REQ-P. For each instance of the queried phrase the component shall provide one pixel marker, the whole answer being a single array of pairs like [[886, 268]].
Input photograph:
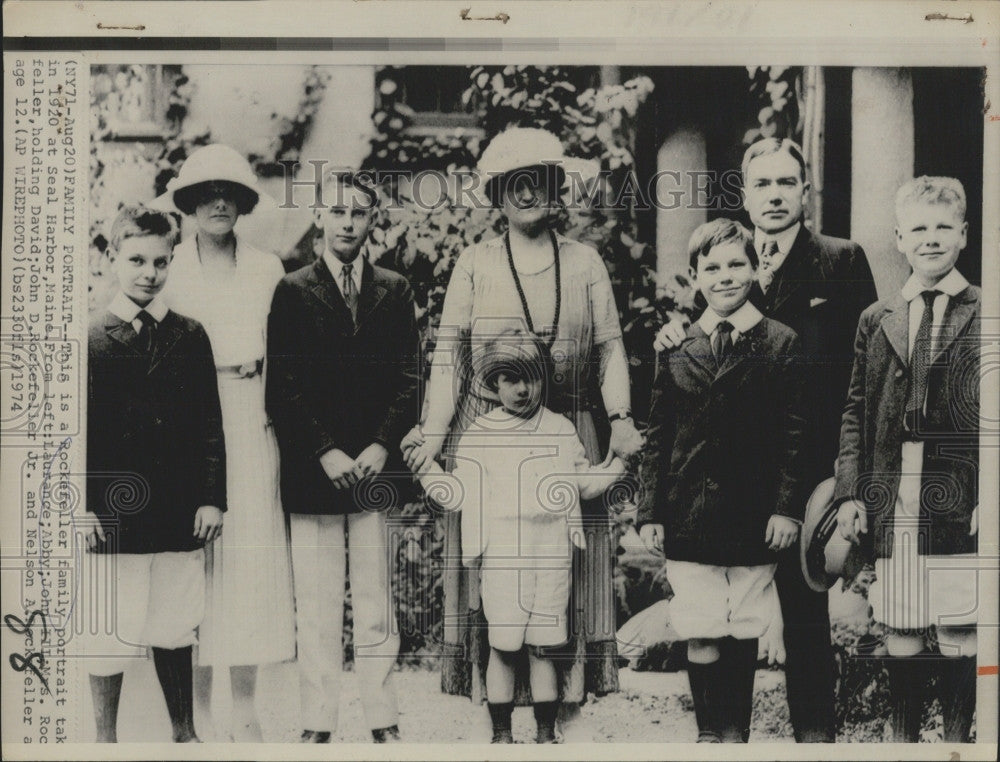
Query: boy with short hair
[[156, 485], [908, 471], [522, 471], [342, 352], [721, 477]]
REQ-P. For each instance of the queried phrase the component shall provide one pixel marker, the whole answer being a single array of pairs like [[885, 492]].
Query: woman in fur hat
[[538, 281], [226, 284]]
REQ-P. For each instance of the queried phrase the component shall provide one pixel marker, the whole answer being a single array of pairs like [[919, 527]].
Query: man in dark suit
[[341, 389], [818, 286]]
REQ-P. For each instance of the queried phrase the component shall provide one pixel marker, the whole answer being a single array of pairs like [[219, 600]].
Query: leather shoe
[[315, 736], [386, 735]]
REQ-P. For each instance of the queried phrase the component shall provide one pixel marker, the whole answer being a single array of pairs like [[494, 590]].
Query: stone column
[[881, 160], [680, 163]]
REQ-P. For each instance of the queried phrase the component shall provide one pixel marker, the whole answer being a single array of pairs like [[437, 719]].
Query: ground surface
[[651, 707]]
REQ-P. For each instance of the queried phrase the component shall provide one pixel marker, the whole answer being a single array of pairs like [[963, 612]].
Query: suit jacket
[[333, 384], [155, 447], [819, 292], [872, 431], [723, 447]]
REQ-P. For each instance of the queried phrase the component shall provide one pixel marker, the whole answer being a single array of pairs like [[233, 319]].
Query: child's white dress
[[250, 614], [520, 480]]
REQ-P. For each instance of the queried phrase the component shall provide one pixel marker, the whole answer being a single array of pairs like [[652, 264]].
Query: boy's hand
[[652, 537], [974, 521], [781, 532], [370, 462], [669, 336], [338, 466], [208, 523], [852, 520], [94, 532]]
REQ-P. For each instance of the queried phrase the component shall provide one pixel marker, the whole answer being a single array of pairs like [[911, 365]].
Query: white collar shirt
[[125, 309], [949, 286]]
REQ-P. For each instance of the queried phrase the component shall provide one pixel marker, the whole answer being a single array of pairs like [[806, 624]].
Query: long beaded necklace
[[520, 291]]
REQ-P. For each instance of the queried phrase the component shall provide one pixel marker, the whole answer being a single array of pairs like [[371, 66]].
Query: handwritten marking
[[464, 15], [966, 19], [136, 28], [35, 661]]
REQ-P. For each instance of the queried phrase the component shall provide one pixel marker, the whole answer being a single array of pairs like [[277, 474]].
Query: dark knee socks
[[705, 680], [545, 720], [500, 715], [957, 691], [173, 668], [723, 692], [739, 658], [907, 680], [106, 692]]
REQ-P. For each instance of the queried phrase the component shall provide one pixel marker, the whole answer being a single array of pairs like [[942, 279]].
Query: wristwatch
[[619, 415]]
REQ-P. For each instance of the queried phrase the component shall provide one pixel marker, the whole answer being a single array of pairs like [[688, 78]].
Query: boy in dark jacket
[[721, 477], [908, 473], [156, 485]]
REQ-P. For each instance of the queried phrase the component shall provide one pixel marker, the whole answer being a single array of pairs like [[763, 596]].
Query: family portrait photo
[[468, 379], [481, 402]]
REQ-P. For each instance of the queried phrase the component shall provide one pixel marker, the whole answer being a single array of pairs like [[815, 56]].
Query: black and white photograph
[[499, 397]]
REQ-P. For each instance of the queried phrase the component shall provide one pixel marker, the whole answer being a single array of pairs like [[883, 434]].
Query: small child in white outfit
[[520, 473]]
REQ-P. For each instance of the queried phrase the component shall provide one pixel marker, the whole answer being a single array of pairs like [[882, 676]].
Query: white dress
[[250, 611]]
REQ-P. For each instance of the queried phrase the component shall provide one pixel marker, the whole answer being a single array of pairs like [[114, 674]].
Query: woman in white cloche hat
[[226, 284], [540, 282]]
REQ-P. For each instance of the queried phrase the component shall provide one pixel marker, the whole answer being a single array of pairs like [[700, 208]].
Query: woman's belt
[[246, 370]]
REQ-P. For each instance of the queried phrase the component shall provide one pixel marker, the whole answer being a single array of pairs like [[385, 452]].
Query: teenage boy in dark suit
[[156, 471], [818, 286], [341, 389]]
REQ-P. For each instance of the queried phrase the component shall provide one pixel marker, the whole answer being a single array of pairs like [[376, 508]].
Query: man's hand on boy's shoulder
[[781, 533], [670, 335], [339, 467], [208, 523]]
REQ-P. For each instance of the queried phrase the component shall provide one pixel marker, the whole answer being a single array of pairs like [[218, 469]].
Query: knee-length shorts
[[913, 591], [720, 601], [130, 601], [525, 605]]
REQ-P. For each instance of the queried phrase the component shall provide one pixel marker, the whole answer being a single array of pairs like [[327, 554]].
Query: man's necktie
[[722, 341], [350, 292], [148, 333], [767, 271], [920, 362]]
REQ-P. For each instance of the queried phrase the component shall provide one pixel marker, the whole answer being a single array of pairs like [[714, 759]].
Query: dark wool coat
[[872, 432], [331, 384], [819, 292], [155, 448], [723, 448]]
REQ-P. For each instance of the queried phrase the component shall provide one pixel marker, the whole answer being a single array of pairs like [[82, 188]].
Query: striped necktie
[[350, 292], [920, 363]]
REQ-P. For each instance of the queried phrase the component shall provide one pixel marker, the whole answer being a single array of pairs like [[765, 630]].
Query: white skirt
[[913, 590], [250, 616]]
